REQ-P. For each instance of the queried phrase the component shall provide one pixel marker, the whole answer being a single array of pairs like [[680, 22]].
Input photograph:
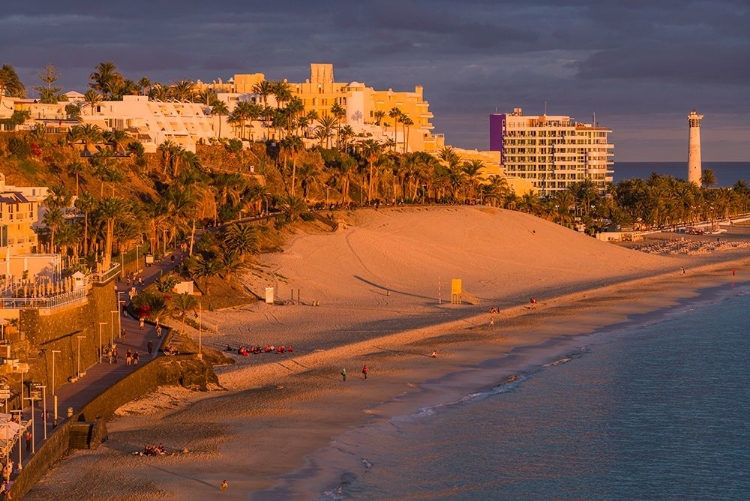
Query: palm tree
[[472, 168], [219, 109], [53, 219], [293, 206], [92, 99], [371, 150], [397, 115], [206, 268], [88, 133], [76, 168], [325, 128], [264, 88], [407, 122], [378, 116], [283, 92], [143, 85], [243, 238], [293, 145], [10, 84], [708, 178], [105, 78], [182, 90], [231, 262], [182, 304], [109, 210], [86, 203], [338, 112], [117, 139]]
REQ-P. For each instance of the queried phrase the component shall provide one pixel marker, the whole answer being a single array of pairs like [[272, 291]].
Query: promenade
[[102, 374]]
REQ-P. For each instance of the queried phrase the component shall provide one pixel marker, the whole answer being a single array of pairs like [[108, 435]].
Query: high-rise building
[[694, 148], [552, 152]]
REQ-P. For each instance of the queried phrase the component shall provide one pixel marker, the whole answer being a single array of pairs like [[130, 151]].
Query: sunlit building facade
[[552, 152]]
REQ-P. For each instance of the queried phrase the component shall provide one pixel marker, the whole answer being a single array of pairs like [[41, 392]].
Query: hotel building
[[552, 152]]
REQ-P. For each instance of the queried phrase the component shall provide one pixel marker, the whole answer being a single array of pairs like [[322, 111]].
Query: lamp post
[[101, 352], [54, 397], [78, 371], [44, 407], [33, 448], [113, 314], [200, 331], [20, 438]]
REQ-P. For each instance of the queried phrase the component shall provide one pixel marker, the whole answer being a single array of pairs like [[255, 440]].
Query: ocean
[[655, 408], [727, 173]]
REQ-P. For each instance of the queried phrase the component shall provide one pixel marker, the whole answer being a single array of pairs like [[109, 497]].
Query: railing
[[56, 301], [104, 277]]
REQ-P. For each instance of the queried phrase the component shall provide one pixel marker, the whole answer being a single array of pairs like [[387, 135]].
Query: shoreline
[[484, 375], [281, 411]]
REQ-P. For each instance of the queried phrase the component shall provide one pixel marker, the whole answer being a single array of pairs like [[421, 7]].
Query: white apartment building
[[552, 152]]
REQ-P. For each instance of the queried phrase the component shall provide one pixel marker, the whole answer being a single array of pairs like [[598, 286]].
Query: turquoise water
[[657, 409]]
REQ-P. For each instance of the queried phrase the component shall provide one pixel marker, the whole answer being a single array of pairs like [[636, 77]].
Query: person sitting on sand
[[290, 349], [434, 353], [280, 349]]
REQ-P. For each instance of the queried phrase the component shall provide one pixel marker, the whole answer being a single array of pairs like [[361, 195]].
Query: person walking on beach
[[28, 441], [224, 485], [150, 347], [142, 322], [364, 371], [343, 374], [158, 331]]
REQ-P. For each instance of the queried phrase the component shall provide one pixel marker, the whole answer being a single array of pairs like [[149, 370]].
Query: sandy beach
[[382, 282]]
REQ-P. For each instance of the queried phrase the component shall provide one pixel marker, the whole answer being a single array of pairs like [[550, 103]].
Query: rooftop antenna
[[594, 119], [545, 107]]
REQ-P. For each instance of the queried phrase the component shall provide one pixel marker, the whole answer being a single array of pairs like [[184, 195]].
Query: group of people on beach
[[255, 350], [152, 450]]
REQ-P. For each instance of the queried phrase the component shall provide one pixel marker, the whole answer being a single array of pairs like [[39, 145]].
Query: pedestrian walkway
[[103, 374]]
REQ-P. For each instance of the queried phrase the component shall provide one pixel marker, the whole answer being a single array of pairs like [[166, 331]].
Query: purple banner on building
[[497, 126]]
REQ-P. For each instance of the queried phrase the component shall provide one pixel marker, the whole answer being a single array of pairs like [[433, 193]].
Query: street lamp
[[112, 329], [33, 447], [101, 352], [44, 407], [20, 437], [78, 372], [54, 397], [200, 331]]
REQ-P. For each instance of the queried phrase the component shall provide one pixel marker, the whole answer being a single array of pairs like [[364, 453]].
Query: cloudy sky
[[640, 65]]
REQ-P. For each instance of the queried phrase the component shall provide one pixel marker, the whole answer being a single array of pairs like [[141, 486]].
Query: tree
[[472, 168], [219, 109], [143, 85], [86, 204], [76, 168], [73, 112], [407, 123], [92, 99], [10, 84], [708, 178], [293, 207], [264, 88], [206, 267], [338, 112], [107, 80], [396, 115], [182, 90], [243, 238], [53, 219], [371, 150], [182, 304], [109, 210], [325, 128], [293, 145], [118, 139], [47, 93]]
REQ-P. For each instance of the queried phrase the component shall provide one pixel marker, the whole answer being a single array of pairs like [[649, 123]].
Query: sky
[[639, 65]]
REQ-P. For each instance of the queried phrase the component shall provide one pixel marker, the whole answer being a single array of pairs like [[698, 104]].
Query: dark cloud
[[639, 64]]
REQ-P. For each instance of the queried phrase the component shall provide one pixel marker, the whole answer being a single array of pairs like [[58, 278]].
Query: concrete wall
[[59, 331], [160, 371]]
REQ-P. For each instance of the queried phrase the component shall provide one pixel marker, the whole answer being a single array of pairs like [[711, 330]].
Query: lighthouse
[[694, 148]]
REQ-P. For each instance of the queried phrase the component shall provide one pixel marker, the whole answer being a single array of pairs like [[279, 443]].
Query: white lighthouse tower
[[694, 148]]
